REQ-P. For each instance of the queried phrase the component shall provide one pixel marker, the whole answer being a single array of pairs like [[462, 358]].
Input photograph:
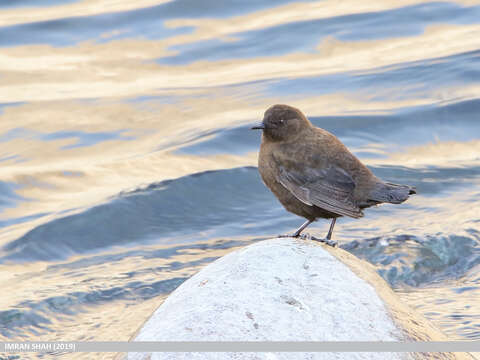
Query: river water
[[127, 163]]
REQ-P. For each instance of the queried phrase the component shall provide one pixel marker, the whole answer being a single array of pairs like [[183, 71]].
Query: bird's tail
[[391, 193]]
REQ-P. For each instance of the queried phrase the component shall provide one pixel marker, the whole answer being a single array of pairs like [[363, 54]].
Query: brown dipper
[[314, 175]]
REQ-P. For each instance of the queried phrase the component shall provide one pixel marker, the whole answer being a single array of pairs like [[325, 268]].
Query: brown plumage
[[313, 174]]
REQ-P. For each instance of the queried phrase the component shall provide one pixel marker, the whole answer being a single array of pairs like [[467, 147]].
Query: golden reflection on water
[[98, 71], [121, 317], [436, 302], [440, 154], [77, 8], [109, 167]]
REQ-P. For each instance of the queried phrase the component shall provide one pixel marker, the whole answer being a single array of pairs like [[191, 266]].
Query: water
[[127, 163]]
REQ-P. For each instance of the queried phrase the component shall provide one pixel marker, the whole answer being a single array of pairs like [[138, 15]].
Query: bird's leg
[[299, 230], [328, 240], [330, 231]]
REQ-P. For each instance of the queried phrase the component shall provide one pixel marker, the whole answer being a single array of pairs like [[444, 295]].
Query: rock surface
[[285, 290]]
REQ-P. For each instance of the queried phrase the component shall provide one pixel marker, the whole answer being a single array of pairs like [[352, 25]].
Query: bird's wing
[[328, 188]]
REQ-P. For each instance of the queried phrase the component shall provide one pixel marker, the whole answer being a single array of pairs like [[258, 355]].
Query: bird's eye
[[281, 121]]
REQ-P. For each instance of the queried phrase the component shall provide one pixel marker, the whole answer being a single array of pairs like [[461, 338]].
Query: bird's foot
[[307, 236], [330, 242]]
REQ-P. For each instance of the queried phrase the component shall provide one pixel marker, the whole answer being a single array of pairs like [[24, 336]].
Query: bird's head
[[282, 123]]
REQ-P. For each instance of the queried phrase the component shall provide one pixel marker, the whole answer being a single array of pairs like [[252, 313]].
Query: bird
[[314, 175]]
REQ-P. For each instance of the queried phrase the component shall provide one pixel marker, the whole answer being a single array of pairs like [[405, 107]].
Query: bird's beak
[[260, 126]]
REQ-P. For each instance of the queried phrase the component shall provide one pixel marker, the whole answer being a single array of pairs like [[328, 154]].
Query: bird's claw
[[329, 242], [307, 236]]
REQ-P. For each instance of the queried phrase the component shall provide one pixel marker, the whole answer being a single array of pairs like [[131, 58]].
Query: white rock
[[284, 290]]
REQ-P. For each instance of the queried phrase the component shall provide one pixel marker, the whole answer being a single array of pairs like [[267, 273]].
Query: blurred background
[[127, 163]]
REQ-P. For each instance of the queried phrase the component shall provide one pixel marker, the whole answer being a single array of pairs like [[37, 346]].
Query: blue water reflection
[[33, 3], [8, 196], [305, 36], [81, 138], [144, 22], [408, 127], [409, 79]]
